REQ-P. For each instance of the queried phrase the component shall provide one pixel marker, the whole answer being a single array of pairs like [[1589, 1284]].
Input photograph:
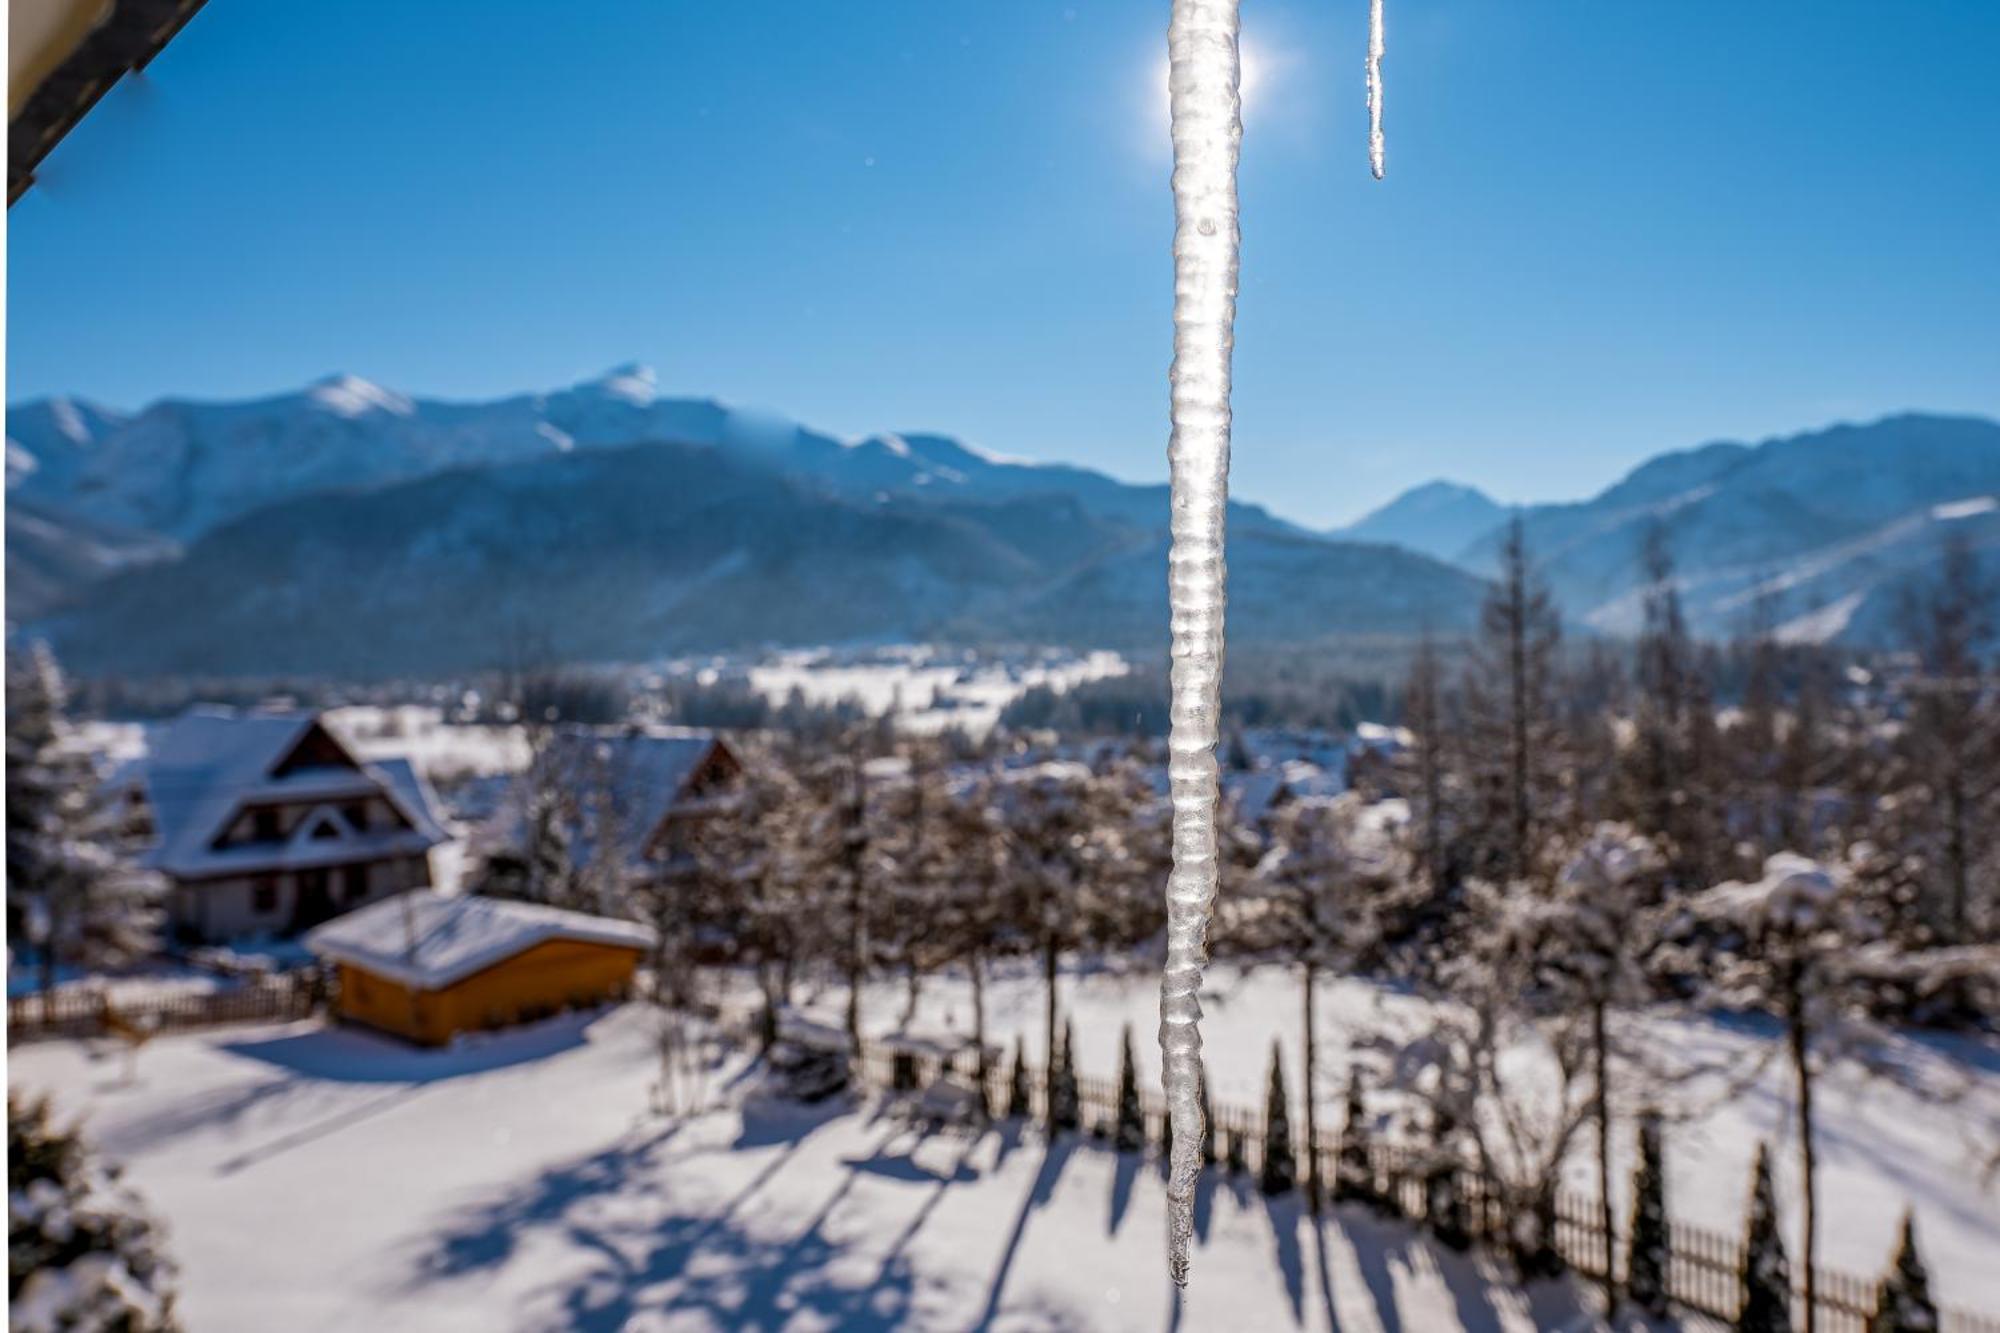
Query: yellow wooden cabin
[[427, 966]]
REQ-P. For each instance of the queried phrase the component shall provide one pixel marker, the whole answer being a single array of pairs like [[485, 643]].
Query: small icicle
[[1203, 79], [1377, 147]]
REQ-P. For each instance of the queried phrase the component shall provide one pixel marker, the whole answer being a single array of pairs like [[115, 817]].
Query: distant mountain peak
[[634, 381], [1441, 491], [1439, 519], [352, 396]]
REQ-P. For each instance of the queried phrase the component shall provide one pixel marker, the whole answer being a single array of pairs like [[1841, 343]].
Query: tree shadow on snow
[[1124, 1175], [904, 1166], [1376, 1243], [700, 1254], [1284, 1212], [318, 1129], [485, 1237], [1325, 1276], [1382, 1246], [1055, 1156]]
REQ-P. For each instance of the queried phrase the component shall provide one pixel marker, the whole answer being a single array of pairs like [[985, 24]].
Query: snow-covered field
[[926, 689], [326, 1179], [1882, 1147], [322, 1178], [440, 750]]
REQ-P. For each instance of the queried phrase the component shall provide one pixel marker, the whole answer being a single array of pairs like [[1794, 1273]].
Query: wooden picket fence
[[86, 1013], [1704, 1270]]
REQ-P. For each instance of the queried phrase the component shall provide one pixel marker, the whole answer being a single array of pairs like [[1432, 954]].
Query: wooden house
[[266, 824], [427, 966], [625, 795]]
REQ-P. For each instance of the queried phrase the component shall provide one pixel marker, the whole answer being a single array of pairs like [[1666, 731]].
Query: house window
[[353, 883], [264, 825], [264, 895], [357, 815]]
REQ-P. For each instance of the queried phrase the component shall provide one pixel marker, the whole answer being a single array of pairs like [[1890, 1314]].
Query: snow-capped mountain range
[[1831, 527], [181, 468], [349, 528]]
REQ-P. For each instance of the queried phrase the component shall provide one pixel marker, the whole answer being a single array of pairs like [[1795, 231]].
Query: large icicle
[[1377, 147], [1207, 128]]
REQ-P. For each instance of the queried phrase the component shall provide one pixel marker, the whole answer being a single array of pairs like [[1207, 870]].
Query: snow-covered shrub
[[81, 1251], [1065, 1113], [1444, 1201], [1903, 1300], [807, 1071], [1281, 1169], [1649, 1249], [1130, 1134], [1767, 1274]]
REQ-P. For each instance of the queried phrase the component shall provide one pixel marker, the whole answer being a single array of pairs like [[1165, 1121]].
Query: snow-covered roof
[[1378, 736], [200, 769], [429, 940], [1255, 793], [625, 779]]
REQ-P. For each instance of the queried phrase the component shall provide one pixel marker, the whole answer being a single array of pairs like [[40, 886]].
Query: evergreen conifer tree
[[81, 1250], [1130, 1135], [1354, 1173], [1646, 1259], [1281, 1171], [1767, 1274], [1018, 1105], [1064, 1112], [1903, 1300], [1512, 725], [68, 868]]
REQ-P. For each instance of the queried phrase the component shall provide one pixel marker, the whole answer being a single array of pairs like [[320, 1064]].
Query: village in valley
[[618, 978], [673, 668]]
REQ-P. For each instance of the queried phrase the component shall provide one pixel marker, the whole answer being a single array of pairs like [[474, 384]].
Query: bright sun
[[1252, 78]]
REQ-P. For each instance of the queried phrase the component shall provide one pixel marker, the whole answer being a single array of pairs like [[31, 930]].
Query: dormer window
[[264, 826]]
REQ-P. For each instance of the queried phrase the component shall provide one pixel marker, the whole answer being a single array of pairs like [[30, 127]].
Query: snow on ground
[[441, 751], [316, 1178], [115, 742], [1882, 1148], [925, 689]]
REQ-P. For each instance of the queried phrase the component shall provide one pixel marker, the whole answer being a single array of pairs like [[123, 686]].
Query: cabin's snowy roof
[[202, 767], [625, 780], [429, 940]]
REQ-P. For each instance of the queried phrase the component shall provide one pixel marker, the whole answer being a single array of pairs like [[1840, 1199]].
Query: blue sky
[[1610, 227]]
